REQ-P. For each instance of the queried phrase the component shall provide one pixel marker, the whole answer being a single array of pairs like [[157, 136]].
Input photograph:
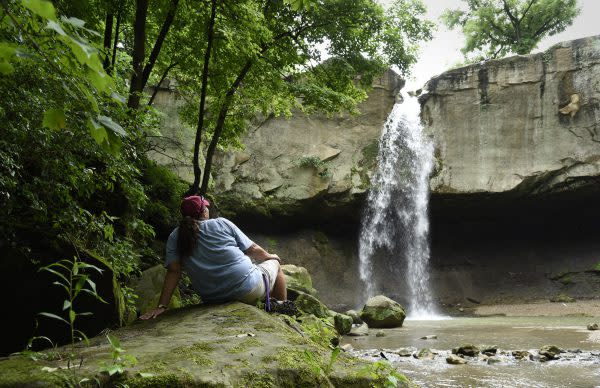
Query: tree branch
[[159, 41]]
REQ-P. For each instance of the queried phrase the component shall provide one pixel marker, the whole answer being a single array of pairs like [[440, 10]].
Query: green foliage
[[31, 32], [72, 278], [316, 163], [384, 374], [494, 28], [120, 359]]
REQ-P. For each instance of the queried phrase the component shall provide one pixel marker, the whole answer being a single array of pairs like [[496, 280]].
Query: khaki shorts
[[270, 268]]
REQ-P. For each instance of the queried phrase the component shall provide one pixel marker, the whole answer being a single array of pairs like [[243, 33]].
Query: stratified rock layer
[[498, 125], [309, 167]]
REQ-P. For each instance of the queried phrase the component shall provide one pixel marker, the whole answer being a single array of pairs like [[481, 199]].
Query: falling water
[[396, 218]]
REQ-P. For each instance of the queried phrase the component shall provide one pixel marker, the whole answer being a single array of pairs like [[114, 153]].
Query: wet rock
[[311, 305], [425, 354], [562, 298], [346, 347], [404, 352], [520, 354], [355, 316], [429, 337], [575, 351], [493, 360], [380, 333], [592, 326], [489, 350], [359, 330], [473, 300], [468, 350], [455, 360], [551, 352], [381, 311], [342, 323]]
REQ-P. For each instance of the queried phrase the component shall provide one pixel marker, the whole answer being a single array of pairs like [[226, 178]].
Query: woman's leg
[[280, 288]]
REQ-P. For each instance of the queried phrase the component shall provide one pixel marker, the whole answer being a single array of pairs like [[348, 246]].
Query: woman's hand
[[153, 313], [273, 256]]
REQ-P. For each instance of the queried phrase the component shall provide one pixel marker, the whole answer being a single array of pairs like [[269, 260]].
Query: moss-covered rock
[[148, 288], [311, 305], [343, 323], [381, 311], [225, 345], [298, 279]]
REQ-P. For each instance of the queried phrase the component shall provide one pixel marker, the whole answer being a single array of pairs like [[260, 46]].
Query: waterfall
[[396, 219]]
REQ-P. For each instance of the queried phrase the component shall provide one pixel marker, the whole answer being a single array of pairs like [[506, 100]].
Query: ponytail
[[187, 237]]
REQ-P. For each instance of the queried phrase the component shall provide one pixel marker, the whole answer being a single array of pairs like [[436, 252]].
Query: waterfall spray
[[396, 217]]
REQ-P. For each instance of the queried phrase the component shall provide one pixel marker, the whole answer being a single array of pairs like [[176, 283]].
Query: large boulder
[[298, 279], [148, 288], [381, 311], [343, 323], [311, 305]]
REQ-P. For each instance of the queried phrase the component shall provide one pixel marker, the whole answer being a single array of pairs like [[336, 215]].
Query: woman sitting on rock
[[217, 255]]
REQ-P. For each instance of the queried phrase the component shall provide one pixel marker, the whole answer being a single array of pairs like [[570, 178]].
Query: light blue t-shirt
[[218, 267]]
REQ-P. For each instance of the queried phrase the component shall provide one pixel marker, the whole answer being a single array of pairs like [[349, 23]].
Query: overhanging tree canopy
[[494, 28]]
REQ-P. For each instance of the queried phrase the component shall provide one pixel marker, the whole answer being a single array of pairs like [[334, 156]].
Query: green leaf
[[90, 266], [100, 80], [110, 124], [66, 304], [92, 284], [48, 269], [42, 8], [7, 50], [72, 316], [79, 284], [73, 21], [54, 316], [6, 68], [52, 25], [94, 294], [118, 97], [97, 131], [54, 119]]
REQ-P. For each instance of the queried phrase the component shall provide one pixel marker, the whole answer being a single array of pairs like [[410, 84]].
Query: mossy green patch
[[257, 380], [245, 345]]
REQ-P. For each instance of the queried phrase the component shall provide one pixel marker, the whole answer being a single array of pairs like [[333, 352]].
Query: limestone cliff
[[306, 164], [527, 124]]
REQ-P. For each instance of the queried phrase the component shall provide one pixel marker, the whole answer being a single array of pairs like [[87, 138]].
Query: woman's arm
[[256, 252], [171, 279]]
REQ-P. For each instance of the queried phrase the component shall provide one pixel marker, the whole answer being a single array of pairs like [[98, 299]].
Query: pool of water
[[579, 366]]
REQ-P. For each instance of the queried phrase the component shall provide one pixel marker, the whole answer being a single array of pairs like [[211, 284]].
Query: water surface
[[579, 367]]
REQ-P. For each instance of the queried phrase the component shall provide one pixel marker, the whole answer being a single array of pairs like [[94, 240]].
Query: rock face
[[498, 125], [311, 162], [381, 311], [298, 279], [208, 346], [148, 288]]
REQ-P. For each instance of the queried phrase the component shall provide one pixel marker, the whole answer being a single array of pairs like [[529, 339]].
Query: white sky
[[443, 50]]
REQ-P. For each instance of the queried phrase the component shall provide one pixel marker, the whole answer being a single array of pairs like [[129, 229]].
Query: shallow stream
[[578, 366]]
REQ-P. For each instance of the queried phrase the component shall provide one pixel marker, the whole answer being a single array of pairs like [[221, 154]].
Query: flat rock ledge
[[231, 345]]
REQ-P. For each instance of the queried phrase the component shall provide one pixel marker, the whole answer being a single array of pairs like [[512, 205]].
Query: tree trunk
[[159, 42], [139, 53], [220, 124], [108, 27], [200, 127], [116, 41], [162, 78]]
